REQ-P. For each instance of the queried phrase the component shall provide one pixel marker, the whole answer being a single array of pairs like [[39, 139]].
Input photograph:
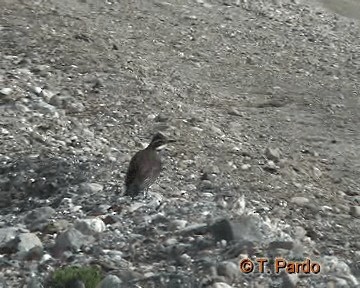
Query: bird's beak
[[171, 141]]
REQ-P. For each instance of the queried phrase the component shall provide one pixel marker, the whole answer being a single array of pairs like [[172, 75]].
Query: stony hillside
[[263, 100]]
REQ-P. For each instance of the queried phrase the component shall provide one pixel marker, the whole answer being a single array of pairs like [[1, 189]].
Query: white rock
[[221, 285], [245, 166], [90, 226], [37, 90], [45, 258], [177, 224], [6, 91], [299, 200]]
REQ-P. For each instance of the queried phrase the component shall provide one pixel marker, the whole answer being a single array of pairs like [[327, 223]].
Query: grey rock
[[287, 245], [271, 167], [91, 188], [216, 130], [43, 107], [229, 270], [71, 239], [21, 107], [76, 107], [161, 118], [59, 226], [190, 187], [3, 283], [332, 265], [206, 185], [299, 232], [234, 112], [355, 211], [245, 228], [60, 101], [90, 226], [211, 169], [75, 283], [27, 241], [34, 283], [110, 281], [35, 253], [7, 234], [39, 218], [290, 280], [46, 94], [184, 259], [208, 177], [135, 206], [273, 154], [341, 283]]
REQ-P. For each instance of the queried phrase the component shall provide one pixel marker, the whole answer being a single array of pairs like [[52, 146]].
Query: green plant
[[90, 276]]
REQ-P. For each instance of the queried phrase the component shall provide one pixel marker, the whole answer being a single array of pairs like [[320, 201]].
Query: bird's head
[[159, 140]]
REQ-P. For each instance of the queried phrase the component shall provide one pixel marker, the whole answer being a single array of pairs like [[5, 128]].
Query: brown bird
[[145, 167]]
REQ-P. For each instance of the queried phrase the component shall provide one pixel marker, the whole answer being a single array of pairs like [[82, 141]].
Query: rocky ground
[[263, 99]]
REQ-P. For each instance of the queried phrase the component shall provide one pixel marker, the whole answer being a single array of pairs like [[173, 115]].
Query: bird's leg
[[146, 193]]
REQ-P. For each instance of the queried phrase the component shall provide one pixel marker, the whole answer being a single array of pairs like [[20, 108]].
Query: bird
[[145, 167]]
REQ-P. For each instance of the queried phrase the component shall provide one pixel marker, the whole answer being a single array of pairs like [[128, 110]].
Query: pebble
[[221, 285], [317, 172], [91, 188], [355, 211], [301, 201], [245, 167], [217, 130], [234, 112], [271, 167], [273, 154]]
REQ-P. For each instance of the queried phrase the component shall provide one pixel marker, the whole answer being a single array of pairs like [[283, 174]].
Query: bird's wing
[[140, 167], [132, 169]]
